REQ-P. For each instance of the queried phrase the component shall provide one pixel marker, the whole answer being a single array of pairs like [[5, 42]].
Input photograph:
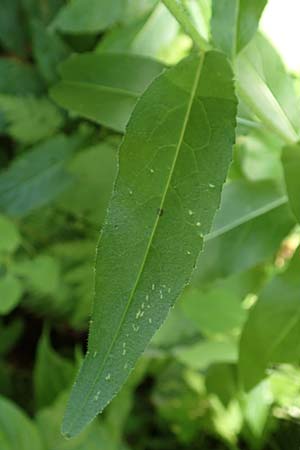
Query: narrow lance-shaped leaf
[[173, 163], [291, 166], [234, 23]]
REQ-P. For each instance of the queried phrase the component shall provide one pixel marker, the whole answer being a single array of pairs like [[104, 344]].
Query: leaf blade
[[167, 157]]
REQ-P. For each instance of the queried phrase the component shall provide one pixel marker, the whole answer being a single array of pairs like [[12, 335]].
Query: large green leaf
[[234, 22], [35, 178], [291, 166], [271, 334], [17, 431], [104, 87], [173, 163], [76, 17]]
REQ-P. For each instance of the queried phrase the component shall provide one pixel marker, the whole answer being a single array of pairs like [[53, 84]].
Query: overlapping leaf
[[104, 87], [234, 23]]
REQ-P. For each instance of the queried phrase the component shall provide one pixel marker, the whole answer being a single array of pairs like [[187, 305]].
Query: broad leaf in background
[[259, 156], [18, 78], [13, 35], [205, 353], [40, 274], [243, 201], [30, 119], [270, 335], [52, 373], [265, 87], [104, 87], [10, 238], [36, 178], [217, 309], [148, 36], [253, 220], [10, 293], [94, 170], [234, 23], [42, 10], [17, 431], [76, 18], [291, 166], [49, 50], [179, 146]]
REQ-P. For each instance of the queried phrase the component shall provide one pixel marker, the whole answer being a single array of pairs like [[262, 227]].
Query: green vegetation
[[171, 130]]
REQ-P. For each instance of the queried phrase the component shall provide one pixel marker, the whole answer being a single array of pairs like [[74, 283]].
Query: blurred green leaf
[[37, 177], [94, 170], [13, 36], [234, 23], [41, 274], [52, 373], [266, 89], [76, 18], [104, 87], [247, 231], [205, 353], [30, 119], [10, 293], [148, 36], [216, 308], [10, 238], [291, 166], [259, 154], [17, 431], [9, 334], [243, 202], [270, 334], [18, 78], [49, 50]]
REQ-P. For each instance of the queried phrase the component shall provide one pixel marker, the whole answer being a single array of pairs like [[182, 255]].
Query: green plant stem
[[178, 11]]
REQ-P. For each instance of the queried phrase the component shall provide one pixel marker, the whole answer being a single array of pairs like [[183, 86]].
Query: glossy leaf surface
[[178, 145]]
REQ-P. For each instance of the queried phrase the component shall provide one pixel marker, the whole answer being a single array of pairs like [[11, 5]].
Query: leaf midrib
[[181, 137]]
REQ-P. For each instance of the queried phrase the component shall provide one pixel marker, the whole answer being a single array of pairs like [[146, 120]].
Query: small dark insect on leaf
[[160, 212]]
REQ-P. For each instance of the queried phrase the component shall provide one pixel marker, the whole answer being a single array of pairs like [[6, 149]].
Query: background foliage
[[70, 77]]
